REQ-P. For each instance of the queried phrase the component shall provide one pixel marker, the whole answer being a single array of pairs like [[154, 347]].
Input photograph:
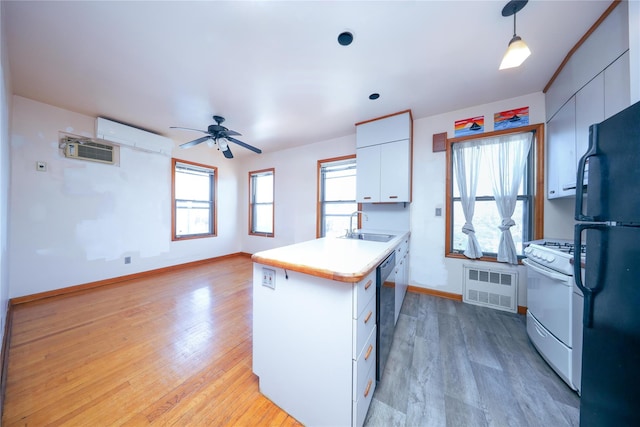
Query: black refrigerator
[[608, 206]]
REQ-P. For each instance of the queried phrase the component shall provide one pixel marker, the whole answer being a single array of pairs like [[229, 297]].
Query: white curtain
[[507, 156], [466, 162]]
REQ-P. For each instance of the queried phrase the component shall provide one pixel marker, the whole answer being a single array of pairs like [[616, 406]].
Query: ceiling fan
[[218, 135]]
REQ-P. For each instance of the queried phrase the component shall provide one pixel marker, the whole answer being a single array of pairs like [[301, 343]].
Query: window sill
[[191, 237], [262, 234], [484, 258]]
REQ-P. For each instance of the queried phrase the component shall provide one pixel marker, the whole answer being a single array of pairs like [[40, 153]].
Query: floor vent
[[491, 288]]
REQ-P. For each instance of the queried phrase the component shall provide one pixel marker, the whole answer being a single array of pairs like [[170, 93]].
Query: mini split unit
[[109, 136]]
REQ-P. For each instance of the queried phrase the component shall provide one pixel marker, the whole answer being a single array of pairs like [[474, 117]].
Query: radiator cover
[[490, 287]]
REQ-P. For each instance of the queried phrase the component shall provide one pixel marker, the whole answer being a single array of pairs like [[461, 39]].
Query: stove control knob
[[551, 258]]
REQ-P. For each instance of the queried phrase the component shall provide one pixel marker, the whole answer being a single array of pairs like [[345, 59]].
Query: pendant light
[[518, 50]]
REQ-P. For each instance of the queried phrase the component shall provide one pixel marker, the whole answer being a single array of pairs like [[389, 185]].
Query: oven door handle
[[548, 273]]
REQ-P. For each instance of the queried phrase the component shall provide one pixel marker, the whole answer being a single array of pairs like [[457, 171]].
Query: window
[[193, 200], [486, 167], [261, 188], [336, 195]]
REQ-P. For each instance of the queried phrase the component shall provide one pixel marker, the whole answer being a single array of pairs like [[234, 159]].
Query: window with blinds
[[336, 196], [194, 195], [261, 206]]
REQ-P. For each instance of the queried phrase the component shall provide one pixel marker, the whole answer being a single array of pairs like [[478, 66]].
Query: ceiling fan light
[[516, 53], [222, 144]]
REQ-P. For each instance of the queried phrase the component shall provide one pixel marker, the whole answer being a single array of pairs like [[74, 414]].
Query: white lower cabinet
[[314, 344], [401, 275], [364, 379]]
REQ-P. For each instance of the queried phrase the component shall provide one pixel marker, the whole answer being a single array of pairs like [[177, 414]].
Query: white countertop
[[345, 260]]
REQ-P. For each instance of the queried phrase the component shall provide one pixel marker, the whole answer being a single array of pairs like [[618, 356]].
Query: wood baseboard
[[4, 362], [142, 274], [448, 295]]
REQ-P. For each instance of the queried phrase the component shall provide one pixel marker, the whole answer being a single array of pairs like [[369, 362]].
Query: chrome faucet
[[350, 231]]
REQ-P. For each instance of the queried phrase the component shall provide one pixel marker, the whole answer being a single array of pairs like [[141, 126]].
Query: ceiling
[[274, 69]]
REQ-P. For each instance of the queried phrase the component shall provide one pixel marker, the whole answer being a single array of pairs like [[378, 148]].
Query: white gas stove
[[554, 309], [555, 254]]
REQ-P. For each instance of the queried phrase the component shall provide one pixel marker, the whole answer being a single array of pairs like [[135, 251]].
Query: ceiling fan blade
[[178, 127], [232, 132], [227, 153], [195, 142], [245, 145]]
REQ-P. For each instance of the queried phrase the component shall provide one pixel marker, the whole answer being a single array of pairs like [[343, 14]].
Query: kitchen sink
[[372, 237]]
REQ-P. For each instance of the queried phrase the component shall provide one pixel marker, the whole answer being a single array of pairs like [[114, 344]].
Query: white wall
[[75, 223], [429, 267], [295, 191], [5, 168]]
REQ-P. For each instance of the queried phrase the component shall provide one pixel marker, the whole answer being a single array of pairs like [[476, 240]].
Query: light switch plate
[[268, 278]]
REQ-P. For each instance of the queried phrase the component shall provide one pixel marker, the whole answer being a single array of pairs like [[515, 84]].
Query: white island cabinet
[[314, 327]]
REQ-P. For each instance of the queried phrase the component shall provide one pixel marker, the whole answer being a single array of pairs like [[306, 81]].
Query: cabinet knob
[[367, 197], [368, 284], [393, 197]]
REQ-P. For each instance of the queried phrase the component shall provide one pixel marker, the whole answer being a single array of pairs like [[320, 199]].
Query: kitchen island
[[314, 326]]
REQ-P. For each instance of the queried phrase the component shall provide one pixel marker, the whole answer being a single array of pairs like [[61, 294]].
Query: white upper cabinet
[[589, 110], [368, 174], [395, 171], [568, 130], [384, 160], [561, 155], [593, 85], [386, 129], [617, 86]]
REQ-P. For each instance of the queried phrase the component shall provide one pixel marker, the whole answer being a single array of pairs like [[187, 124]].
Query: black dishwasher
[[385, 311]]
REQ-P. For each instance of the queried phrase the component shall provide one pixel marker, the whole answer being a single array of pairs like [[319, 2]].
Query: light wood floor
[[171, 349], [176, 349]]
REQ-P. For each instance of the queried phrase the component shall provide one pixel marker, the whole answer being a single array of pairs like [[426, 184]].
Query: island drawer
[[362, 327], [362, 365], [363, 292], [364, 396]]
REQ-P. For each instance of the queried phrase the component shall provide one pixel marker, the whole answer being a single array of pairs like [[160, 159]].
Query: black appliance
[[385, 311], [610, 205]]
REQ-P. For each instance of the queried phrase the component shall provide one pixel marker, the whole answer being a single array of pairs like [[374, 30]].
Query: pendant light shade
[[517, 51]]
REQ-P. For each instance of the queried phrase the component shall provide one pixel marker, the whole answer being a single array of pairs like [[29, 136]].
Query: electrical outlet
[[269, 278], [41, 166]]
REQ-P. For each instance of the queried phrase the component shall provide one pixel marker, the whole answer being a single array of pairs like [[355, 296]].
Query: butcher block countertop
[[340, 259]]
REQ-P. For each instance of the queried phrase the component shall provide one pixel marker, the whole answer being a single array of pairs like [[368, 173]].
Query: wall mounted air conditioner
[[86, 149], [132, 137]]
